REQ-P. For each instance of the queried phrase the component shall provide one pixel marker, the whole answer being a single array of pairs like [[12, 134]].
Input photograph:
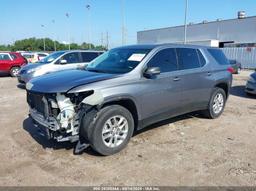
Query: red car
[[11, 62]]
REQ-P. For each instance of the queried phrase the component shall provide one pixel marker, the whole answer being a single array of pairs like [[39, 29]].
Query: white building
[[220, 33]]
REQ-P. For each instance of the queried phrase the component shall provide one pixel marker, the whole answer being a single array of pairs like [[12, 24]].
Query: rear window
[[89, 56], [219, 56], [201, 58], [14, 56]]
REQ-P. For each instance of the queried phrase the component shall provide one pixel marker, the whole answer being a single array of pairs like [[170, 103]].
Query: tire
[[14, 71], [105, 117], [212, 113]]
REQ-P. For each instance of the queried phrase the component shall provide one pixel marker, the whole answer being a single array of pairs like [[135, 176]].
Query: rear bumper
[[250, 88]]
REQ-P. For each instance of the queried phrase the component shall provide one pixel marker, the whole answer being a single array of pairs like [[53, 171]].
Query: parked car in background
[[33, 57], [236, 66], [57, 61], [251, 84], [127, 89], [11, 62]]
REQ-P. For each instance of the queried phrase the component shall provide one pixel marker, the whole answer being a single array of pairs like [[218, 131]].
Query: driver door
[[162, 94], [69, 61]]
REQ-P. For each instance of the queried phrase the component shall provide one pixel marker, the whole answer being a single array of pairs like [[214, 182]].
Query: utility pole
[[185, 22], [43, 37], [54, 41], [88, 7], [68, 26], [123, 23], [107, 40], [102, 39]]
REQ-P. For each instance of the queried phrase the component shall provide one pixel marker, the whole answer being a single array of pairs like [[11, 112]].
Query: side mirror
[[63, 61], [151, 72]]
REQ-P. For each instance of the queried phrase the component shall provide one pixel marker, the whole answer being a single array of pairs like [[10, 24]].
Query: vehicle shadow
[[21, 86], [240, 92], [4, 75], [34, 133], [168, 121]]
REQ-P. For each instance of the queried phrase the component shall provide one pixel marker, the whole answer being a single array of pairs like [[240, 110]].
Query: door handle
[[176, 79], [209, 73]]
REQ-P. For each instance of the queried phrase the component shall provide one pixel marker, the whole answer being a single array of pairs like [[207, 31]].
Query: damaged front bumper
[[58, 116], [50, 129]]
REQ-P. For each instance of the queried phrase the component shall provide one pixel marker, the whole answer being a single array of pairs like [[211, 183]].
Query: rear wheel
[[216, 104], [14, 71], [112, 130]]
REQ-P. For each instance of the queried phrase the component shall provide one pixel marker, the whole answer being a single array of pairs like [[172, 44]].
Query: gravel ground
[[187, 150]]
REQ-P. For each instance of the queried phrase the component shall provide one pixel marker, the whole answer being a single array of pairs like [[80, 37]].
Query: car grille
[[35, 101]]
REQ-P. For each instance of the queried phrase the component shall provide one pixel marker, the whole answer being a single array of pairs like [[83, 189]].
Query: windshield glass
[[51, 57], [119, 60]]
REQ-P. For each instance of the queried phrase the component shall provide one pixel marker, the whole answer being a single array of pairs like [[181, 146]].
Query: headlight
[[39, 72], [31, 70], [251, 79]]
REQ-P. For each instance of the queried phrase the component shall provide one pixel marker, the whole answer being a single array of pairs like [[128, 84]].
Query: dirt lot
[[187, 150]]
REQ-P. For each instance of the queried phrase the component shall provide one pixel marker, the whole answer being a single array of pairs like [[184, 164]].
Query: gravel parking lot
[[187, 150]]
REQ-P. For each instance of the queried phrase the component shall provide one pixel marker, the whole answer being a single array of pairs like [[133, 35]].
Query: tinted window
[[89, 56], [219, 56], [188, 58], [4, 57], [42, 55], [71, 58], [201, 58], [13, 56], [28, 55], [165, 59]]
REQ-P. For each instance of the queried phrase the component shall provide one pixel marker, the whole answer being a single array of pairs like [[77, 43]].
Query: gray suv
[[127, 89]]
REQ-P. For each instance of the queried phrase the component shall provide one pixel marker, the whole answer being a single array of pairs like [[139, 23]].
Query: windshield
[[51, 57], [119, 60]]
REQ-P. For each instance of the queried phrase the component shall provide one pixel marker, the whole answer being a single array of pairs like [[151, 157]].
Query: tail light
[[38, 58], [231, 70]]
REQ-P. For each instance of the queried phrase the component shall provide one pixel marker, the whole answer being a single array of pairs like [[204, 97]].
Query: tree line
[[35, 44]]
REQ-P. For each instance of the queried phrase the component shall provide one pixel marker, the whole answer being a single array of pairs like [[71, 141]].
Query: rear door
[[162, 94], [88, 57], [197, 78], [5, 62]]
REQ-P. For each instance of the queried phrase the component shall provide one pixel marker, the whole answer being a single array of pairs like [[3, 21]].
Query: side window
[[71, 57], [43, 55], [188, 58], [219, 56], [201, 58], [165, 59], [89, 56], [4, 57]]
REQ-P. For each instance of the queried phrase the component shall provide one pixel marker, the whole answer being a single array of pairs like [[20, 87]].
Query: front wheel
[[113, 128], [216, 104], [14, 71]]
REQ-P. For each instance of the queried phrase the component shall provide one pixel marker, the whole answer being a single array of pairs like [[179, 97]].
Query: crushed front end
[[57, 115]]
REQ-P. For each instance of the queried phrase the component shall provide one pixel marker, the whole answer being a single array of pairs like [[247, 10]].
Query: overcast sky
[[23, 18]]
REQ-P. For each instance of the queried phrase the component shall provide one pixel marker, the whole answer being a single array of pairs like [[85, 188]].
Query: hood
[[31, 66], [65, 80]]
